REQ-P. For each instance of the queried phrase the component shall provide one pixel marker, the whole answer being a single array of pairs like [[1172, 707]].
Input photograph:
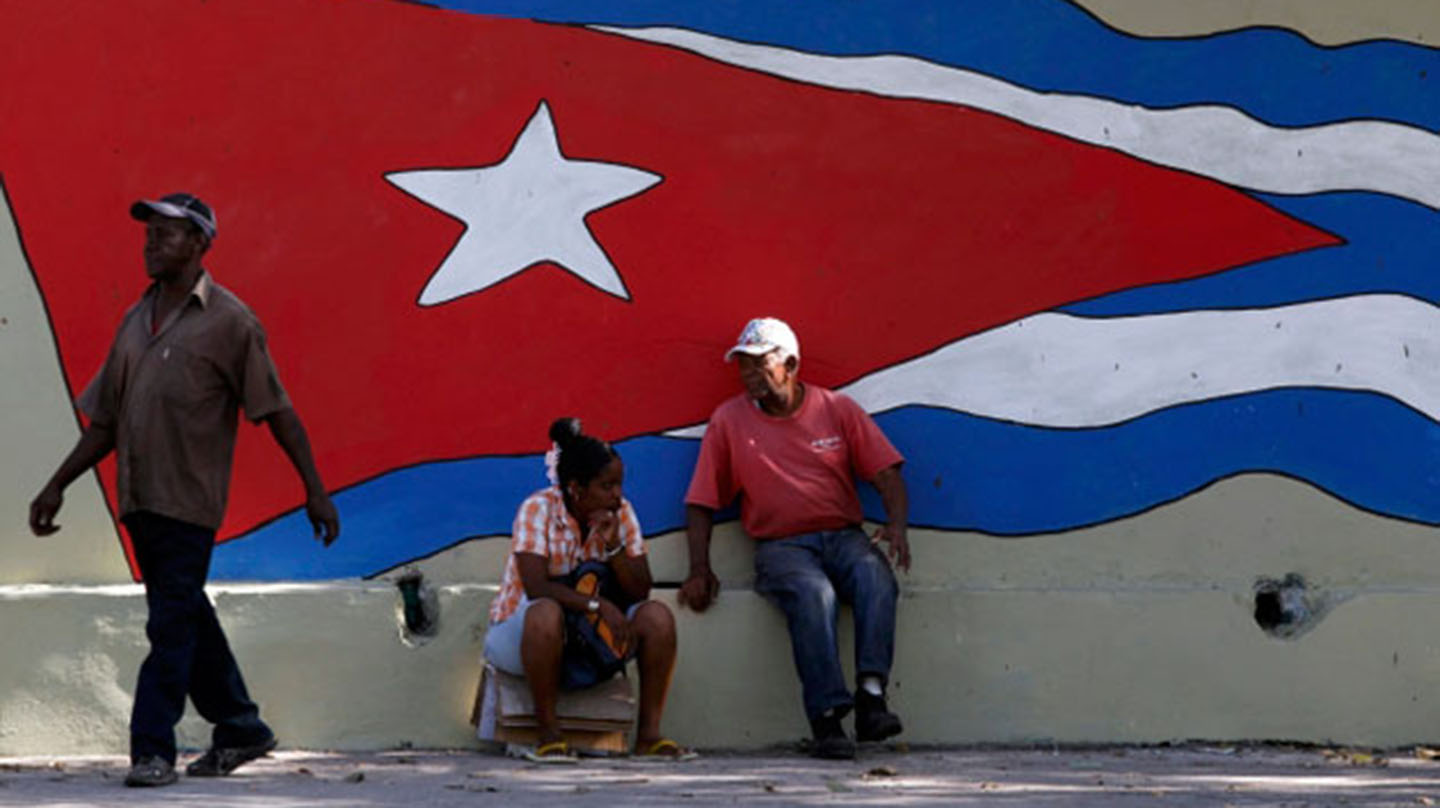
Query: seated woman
[[581, 518]]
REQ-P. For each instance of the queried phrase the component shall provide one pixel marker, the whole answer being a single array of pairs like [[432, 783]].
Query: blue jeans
[[807, 576], [188, 651]]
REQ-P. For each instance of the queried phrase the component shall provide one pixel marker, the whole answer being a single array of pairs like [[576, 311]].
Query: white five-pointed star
[[528, 208]]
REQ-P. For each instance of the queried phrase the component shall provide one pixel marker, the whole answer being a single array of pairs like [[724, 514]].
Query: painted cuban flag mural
[[1075, 273]]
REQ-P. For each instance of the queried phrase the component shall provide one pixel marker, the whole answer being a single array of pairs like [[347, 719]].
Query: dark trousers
[[807, 576], [188, 651]]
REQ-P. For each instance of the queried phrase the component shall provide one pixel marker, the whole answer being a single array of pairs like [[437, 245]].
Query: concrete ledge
[[325, 662], [330, 669]]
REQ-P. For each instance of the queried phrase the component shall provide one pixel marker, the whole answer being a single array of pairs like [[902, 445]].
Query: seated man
[[790, 451]]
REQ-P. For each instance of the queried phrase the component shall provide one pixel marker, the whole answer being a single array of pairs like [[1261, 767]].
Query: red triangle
[[880, 228]]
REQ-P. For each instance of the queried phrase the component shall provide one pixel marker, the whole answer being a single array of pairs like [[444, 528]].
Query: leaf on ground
[[1355, 758]]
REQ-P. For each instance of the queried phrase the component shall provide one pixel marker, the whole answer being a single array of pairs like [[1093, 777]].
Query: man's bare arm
[[701, 586], [897, 511], [95, 442], [287, 430]]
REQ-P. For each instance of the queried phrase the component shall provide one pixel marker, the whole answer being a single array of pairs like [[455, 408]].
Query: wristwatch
[[593, 605]]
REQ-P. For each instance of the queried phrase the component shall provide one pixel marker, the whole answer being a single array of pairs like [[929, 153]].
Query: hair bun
[[565, 430]]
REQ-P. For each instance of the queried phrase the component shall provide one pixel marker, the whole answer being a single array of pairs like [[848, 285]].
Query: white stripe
[[1214, 141], [1059, 370]]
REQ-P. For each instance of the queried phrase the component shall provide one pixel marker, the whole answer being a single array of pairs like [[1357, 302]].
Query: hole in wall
[[1286, 607], [417, 611]]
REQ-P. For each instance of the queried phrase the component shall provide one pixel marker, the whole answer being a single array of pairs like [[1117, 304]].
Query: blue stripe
[[963, 472], [1051, 45], [417, 511], [1391, 246], [971, 473]]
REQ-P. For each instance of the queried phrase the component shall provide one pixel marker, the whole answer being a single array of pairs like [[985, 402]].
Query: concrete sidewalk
[[1172, 776]]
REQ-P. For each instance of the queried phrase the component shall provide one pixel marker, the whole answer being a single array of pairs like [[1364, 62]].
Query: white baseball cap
[[763, 335]]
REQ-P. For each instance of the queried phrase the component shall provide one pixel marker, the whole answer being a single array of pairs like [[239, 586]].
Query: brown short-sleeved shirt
[[172, 399]]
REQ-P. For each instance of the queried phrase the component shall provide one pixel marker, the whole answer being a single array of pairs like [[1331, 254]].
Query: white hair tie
[[552, 463]]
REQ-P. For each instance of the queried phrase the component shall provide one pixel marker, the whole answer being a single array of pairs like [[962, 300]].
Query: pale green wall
[[1328, 22], [1140, 630], [37, 428]]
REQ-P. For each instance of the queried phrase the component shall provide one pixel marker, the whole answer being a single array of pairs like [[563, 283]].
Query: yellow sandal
[[552, 752], [666, 750]]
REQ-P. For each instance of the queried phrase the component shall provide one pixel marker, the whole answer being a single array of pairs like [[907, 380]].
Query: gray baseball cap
[[177, 206]]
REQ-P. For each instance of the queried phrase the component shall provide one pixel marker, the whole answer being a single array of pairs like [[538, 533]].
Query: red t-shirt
[[793, 474]]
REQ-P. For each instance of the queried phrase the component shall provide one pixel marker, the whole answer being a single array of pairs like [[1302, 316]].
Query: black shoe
[[873, 720], [151, 771], [830, 741], [220, 761]]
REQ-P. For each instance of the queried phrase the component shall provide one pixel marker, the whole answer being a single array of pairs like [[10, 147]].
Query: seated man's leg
[[654, 628], [863, 577], [788, 573]]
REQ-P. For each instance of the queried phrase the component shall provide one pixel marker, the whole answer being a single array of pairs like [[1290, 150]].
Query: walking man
[[186, 358], [790, 451]]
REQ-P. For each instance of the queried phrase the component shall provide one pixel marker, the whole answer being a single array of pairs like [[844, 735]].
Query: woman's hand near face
[[605, 524]]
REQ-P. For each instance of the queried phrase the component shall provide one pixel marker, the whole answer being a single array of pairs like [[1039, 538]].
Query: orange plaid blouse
[[543, 527]]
